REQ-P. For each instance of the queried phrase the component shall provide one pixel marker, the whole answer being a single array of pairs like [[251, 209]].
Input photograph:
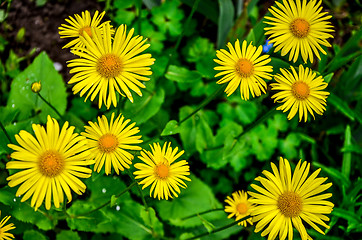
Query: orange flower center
[[300, 28], [300, 90], [244, 67], [108, 143], [242, 208], [162, 171], [51, 163], [87, 29], [109, 65], [290, 204]]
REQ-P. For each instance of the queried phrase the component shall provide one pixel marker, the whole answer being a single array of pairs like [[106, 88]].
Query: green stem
[[51, 106], [139, 8], [6, 133], [194, 7], [139, 189], [204, 103], [201, 213], [219, 229], [106, 203]]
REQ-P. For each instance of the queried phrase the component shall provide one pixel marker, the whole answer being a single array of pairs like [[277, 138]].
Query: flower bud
[[36, 87]]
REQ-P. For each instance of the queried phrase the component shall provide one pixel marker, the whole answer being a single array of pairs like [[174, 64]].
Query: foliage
[[227, 141]]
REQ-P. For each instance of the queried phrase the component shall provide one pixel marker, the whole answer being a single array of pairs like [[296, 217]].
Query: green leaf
[[33, 235], [196, 198], [349, 51], [350, 216], [171, 128], [195, 132], [53, 90], [277, 64], [226, 20], [144, 107], [208, 8], [150, 219], [341, 105], [182, 75], [337, 175], [347, 156], [328, 77], [352, 148], [67, 235], [251, 37]]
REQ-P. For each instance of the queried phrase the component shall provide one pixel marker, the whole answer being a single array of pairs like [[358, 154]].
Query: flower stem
[[204, 103], [219, 229], [5, 132], [106, 203], [139, 189], [201, 213], [51, 106], [194, 7]]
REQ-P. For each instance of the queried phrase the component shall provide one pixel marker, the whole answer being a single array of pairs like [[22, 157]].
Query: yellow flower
[[109, 142], [4, 235], [51, 163], [299, 28], [239, 206], [300, 92], [284, 200], [36, 87], [80, 25], [244, 67], [107, 66], [160, 170]]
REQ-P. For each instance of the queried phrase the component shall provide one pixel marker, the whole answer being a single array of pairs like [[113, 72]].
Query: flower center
[[108, 143], [300, 90], [87, 29], [109, 65], [162, 171], [300, 28], [242, 208], [51, 163], [244, 67], [290, 204]]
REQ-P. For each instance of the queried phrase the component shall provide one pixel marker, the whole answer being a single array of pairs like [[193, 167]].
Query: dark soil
[[41, 27]]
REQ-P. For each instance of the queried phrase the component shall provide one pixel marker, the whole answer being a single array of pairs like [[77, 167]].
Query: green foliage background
[[225, 144]]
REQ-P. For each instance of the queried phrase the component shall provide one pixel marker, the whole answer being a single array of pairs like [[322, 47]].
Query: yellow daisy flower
[[51, 163], [299, 28], [4, 235], [106, 65], [109, 142], [80, 25], [244, 67], [160, 170], [300, 92], [284, 200], [239, 206]]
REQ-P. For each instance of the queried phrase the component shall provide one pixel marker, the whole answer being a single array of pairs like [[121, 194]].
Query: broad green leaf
[[341, 105], [144, 107], [68, 235], [196, 198], [182, 75], [171, 128], [225, 22], [53, 90], [33, 235], [23, 212]]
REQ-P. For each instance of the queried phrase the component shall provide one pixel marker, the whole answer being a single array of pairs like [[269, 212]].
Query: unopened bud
[[36, 87]]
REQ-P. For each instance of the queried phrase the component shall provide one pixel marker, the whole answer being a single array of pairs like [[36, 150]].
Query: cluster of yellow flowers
[[110, 60], [283, 200], [298, 29]]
